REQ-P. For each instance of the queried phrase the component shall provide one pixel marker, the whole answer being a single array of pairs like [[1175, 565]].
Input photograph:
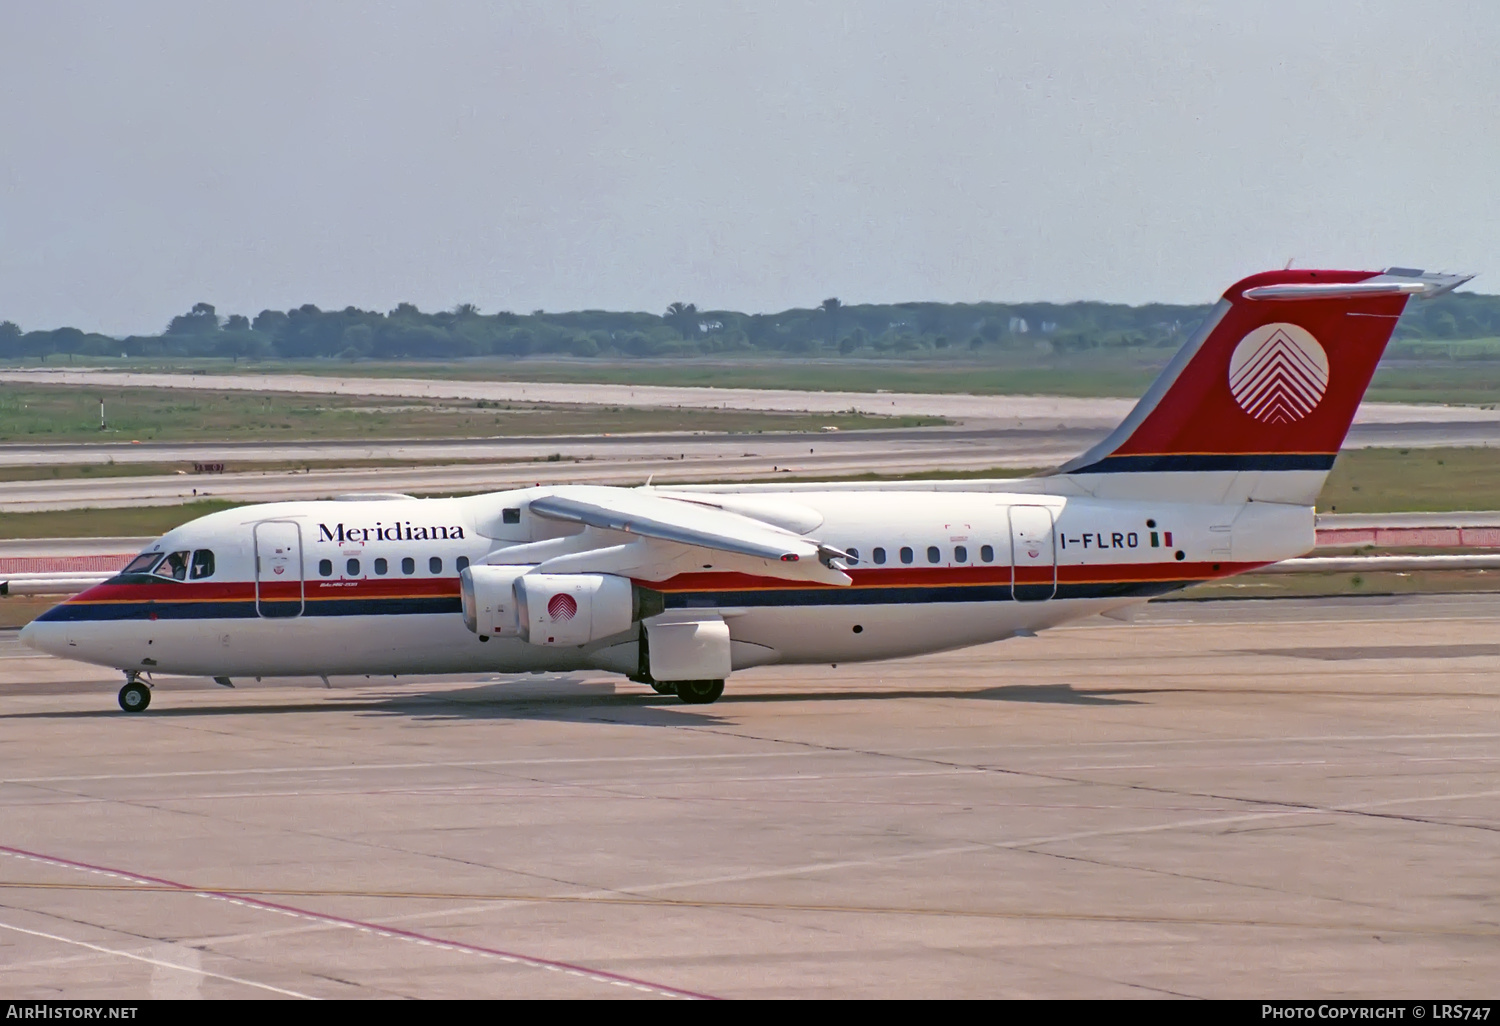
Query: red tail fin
[[1272, 381]]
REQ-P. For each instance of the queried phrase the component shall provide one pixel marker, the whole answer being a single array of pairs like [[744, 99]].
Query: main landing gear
[[699, 692], [693, 692], [134, 696]]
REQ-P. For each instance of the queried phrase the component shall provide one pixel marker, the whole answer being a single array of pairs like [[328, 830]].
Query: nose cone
[[45, 637]]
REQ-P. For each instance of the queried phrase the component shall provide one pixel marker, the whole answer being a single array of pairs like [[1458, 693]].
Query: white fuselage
[[371, 586]]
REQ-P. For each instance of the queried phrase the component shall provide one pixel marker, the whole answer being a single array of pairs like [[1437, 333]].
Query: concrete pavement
[[1228, 799]]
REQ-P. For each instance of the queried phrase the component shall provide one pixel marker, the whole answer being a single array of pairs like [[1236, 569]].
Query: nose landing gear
[[135, 696]]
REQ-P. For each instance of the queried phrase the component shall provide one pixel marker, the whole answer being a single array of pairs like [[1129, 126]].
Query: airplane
[[1214, 472]]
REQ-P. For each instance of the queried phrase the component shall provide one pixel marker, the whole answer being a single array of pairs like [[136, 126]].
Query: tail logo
[[1278, 373]]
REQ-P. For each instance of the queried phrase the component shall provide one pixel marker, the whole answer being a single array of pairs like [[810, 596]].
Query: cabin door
[[1033, 554], [279, 591]]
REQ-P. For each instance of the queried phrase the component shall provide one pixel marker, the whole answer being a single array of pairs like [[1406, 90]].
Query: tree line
[[830, 328]]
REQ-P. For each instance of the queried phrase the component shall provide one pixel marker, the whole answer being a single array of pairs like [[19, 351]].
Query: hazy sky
[[746, 155]]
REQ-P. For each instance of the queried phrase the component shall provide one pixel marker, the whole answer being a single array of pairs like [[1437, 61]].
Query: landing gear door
[[1033, 554], [279, 590]]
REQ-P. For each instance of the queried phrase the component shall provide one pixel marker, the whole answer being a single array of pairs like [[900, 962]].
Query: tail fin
[[1258, 403]]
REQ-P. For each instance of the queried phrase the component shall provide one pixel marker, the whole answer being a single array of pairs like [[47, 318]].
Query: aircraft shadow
[[1336, 653], [487, 702], [579, 702], [1048, 694]]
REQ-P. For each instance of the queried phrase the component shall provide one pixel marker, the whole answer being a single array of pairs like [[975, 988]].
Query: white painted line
[[968, 849], [797, 754], [1307, 739], [828, 867], [376, 767], [157, 962]]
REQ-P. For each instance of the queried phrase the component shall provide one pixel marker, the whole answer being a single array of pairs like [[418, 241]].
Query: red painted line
[[231, 590], [598, 975]]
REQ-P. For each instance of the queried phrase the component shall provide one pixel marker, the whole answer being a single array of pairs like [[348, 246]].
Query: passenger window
[[510, 516], [906, 554], [325, 568], [203, 564], [878, 554], [960, 554], [352, 567], [142, 564], [462, 563], [987, 553], [408, 565], [933, 554], [434, 565], [381, 566], [175, 566], [853, 555]]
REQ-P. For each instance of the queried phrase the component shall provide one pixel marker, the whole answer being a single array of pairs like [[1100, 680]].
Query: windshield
[[142, 564], [175, 566]]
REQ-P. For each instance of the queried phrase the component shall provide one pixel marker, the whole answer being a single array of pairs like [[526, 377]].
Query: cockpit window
[[203, 564], [142, 564], [174, 566]]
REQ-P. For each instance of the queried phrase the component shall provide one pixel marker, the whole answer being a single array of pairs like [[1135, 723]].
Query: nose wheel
[[134, 696]]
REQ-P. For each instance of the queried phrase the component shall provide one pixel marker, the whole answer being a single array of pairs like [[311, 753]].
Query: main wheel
[[134, 697], [699, 692], [663, 687]]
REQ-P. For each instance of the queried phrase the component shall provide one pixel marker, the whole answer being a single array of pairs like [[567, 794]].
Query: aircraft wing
[[672, 526]]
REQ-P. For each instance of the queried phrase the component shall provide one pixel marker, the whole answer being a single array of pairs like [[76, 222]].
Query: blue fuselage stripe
[[1193, 462], [246, 609]]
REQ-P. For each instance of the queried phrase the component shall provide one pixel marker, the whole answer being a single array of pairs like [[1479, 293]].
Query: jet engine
[[489, 600], [572, 609], [545, 609]]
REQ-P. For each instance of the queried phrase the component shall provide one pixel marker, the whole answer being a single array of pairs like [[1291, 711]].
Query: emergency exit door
[[1033, 554]]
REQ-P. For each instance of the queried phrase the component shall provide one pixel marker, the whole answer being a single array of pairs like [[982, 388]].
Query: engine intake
[[489, 599]]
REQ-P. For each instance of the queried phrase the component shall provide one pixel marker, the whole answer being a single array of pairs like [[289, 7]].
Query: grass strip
[[69, 413], [127, 522], [1413, 480]]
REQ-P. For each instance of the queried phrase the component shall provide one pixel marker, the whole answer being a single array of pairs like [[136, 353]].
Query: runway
[[1023, 410], [1017, 411], [1227, 799], [523, 462]]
